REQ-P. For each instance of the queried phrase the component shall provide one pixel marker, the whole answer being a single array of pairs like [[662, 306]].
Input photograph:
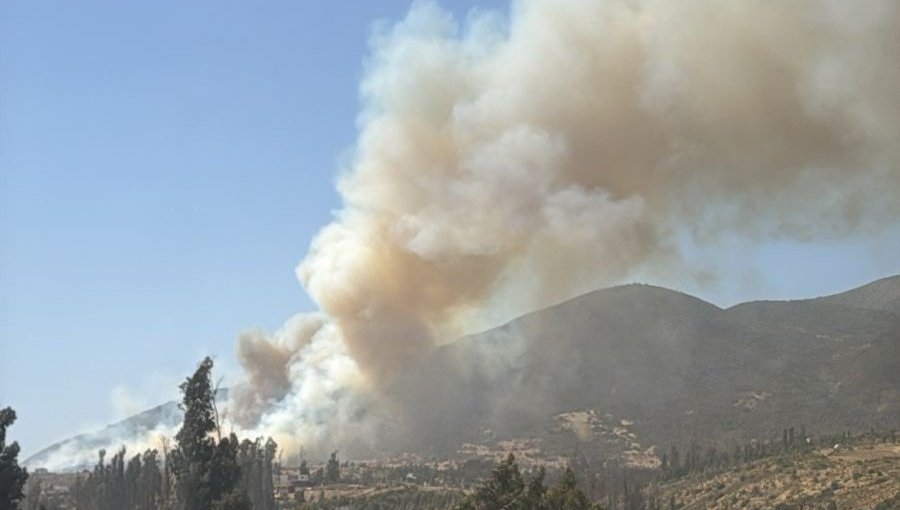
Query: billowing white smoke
[[523, 160], [301, 386]]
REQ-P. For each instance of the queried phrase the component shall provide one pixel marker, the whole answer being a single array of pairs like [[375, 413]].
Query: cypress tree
[[12, 477]]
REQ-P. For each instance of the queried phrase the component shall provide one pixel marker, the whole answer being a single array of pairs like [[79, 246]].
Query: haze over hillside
[[672, 367], [681, 368]]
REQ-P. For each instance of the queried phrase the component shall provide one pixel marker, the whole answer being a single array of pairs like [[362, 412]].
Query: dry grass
[[861, 476]]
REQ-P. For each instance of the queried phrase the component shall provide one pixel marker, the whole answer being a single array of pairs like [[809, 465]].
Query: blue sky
[[163, 167]]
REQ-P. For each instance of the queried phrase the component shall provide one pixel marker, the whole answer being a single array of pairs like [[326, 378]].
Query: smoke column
[[524, 158]]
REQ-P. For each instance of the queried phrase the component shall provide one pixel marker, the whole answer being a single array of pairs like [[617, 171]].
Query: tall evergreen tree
[[12, 476], [333, 469], [206, 473]]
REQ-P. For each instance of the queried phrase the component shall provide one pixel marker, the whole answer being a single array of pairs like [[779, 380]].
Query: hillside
[[627, 372], [674, 368], [857, 476], [883, 294], [139, 432]]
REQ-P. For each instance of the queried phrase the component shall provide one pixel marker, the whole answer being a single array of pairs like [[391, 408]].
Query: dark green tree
[[256, 460], [506, 489], [119, 485], [12, 476], [206, 473], [150, 493], [193, 454], [333, 469], [565, 495], [503, 489], [270, 451]]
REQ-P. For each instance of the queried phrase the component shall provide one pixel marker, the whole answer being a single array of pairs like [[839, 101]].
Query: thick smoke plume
[[515, 161]]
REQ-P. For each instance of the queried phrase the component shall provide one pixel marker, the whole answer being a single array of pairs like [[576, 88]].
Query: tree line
[[696, 459], [204, 470], [506, 488]]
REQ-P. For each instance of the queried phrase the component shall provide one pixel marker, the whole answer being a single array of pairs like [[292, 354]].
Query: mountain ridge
[[649, 354], [676, 366]]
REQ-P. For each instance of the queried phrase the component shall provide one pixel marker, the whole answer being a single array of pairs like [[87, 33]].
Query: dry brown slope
[[863, 476]]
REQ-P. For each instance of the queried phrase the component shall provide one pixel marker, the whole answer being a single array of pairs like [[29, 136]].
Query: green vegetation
[[712, 387], [136, 484], [206, 469], [12, 477], [507, 489], [203, 471]]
